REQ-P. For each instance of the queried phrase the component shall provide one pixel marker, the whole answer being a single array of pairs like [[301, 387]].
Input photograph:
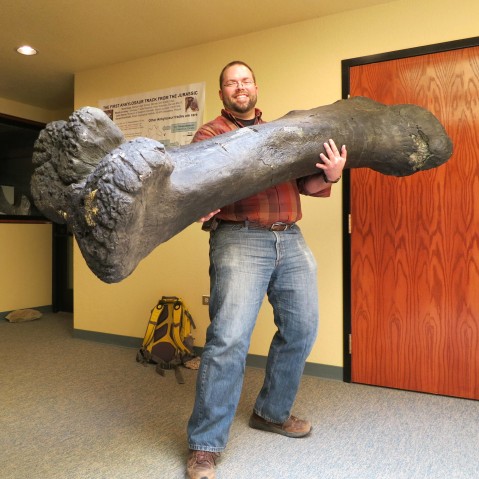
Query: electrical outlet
[[205, 300]]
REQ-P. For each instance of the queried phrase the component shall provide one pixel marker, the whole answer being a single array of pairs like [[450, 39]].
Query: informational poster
[[170, 116]]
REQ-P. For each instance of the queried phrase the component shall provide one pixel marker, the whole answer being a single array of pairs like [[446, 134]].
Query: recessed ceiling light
[[26, 50]]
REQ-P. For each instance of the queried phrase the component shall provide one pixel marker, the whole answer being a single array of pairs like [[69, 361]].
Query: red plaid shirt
[[277, 203]]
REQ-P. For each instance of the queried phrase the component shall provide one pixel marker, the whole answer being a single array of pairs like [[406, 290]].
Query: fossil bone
[[123, 198]]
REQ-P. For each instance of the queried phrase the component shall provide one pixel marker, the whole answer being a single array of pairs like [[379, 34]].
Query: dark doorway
[[62, 272]]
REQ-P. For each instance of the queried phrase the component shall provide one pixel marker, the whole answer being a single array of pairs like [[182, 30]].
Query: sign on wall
[[170, 116]]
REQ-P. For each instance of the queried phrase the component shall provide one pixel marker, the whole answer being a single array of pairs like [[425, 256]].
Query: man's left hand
[[332, 164]]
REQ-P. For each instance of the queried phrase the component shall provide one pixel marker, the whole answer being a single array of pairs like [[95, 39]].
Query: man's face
[[238, 91]]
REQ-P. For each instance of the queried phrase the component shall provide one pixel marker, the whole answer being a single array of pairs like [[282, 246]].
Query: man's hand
[[207, 217], [331, 168], [333, 164]]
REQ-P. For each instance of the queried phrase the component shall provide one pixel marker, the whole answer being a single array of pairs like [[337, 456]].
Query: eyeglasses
[[235, 83]]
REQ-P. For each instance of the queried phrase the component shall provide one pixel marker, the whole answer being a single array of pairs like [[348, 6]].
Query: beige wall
[[26, 266], [29, 112], [297, 67]]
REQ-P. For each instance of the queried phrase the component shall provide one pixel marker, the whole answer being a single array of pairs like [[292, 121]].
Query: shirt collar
[[237, 121]]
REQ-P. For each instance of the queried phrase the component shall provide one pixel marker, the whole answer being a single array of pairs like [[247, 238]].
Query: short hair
[[230, 64]]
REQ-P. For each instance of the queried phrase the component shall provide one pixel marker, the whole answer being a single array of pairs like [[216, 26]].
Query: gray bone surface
[[122, 198]]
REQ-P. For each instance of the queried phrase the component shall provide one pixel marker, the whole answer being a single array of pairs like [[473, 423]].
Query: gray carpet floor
[[76, 409]]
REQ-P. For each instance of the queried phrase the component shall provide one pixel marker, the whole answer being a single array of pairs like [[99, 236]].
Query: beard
[[234, 107]]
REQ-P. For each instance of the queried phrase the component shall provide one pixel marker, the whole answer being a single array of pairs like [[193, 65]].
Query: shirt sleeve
[[203, 133], [326, 193]]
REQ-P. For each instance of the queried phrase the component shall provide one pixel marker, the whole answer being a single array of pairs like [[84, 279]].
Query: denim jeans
[[245, 266]]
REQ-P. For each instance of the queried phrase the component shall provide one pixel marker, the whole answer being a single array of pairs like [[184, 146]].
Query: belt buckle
[[279, 226]]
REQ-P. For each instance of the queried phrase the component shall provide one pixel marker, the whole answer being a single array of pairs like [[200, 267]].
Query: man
[[256, 249]]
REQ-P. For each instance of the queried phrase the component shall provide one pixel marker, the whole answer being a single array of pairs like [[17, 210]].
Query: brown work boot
[[201, 464], [292, 427]]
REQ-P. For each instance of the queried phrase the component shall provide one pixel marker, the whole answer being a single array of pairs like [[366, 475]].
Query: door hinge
[[350, 345], [349, 223]]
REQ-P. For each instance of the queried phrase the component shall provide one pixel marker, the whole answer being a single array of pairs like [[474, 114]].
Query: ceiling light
[[26, 50]]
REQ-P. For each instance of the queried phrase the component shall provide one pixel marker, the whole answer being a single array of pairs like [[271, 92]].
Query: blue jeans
[[245, 265]]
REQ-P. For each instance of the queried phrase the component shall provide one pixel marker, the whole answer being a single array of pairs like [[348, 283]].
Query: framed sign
[[170, 116]]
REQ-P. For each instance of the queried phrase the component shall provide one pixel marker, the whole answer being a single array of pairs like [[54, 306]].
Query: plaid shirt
[[277, 203]]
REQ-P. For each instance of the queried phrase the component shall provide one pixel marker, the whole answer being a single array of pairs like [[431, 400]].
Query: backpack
[[168, 341]]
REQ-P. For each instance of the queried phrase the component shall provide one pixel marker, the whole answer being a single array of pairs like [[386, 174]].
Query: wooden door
[[415, 240]]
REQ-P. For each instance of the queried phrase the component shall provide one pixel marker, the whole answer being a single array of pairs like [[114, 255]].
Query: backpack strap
[[161, 369]]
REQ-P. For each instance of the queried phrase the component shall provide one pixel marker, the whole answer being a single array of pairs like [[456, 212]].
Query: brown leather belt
[[278, 226]]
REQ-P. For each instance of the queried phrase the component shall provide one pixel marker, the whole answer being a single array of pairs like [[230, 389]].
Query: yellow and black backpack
[[168, 341]]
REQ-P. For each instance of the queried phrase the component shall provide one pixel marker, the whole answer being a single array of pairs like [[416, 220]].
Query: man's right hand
[[208, 216]]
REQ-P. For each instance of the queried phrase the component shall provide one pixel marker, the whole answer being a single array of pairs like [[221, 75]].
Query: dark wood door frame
[[62, 269], [346, 65]]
